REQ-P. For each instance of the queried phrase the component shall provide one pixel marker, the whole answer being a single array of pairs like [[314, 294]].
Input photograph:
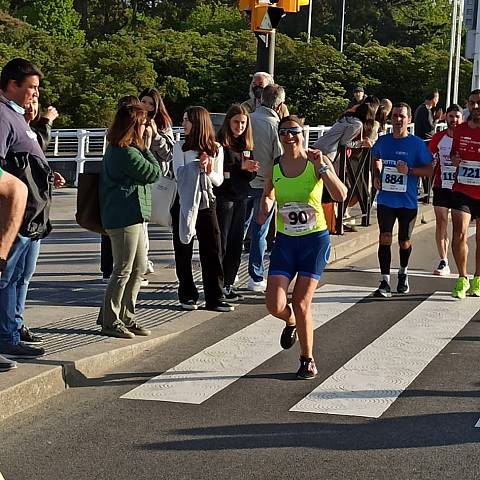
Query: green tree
[[214, 19], [55, 16]]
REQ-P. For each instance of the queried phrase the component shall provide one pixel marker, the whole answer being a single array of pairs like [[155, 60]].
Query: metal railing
[[355, 171], [88, 145]]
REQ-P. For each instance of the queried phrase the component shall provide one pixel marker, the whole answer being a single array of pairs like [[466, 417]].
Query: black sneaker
[[27, 336], [6, 364], [288, 337], [221, 307], [189, 305], [230, 294], [21, 350], [383, 291], [308, 369], [402, 285]]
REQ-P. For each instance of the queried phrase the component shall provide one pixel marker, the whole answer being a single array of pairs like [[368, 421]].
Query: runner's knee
[[275, 305], [405, 244], [385, 238]]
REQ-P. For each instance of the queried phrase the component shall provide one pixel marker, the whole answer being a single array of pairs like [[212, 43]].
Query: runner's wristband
[[323, 169]]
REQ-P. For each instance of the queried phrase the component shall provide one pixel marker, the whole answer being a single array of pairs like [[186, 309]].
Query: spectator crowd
[[224, 193]]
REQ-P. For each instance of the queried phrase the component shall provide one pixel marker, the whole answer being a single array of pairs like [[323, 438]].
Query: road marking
[[200, 377], [370, 382], [477, 425]]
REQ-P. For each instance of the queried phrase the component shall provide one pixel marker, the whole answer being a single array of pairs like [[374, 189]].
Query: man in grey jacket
[[266, 148]]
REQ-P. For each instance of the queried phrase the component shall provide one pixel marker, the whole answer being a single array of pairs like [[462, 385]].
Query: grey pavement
[[66, 292]]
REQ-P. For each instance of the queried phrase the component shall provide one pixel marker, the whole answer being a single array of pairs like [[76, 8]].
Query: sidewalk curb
[[52, 376]]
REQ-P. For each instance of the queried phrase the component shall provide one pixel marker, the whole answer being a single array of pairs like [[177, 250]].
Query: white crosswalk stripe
[[200, 377], [370, 382], [365, 386]]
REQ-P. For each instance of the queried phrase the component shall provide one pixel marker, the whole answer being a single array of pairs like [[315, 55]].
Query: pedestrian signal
[[265, 18]]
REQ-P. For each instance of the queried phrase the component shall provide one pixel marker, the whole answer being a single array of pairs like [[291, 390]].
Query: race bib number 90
[[469, 173], [298, 217], [393, 181]]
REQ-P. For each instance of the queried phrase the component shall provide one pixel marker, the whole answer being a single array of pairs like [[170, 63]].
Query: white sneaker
[[254, 286], [149, 268], [144, 283], [442, 269]]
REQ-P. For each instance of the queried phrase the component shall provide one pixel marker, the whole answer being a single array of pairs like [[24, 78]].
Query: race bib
[[469, 173], [393, 181], [447, 173], [298, 217]]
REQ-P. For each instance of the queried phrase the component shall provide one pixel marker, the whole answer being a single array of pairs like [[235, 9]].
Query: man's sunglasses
[[293, 131]]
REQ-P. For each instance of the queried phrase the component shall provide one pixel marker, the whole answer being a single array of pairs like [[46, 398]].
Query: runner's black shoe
[[288, 337], [383, 291], [402, 285], [308, 369]]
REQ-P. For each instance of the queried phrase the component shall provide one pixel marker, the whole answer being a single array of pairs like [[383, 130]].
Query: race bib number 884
[[393, 180]]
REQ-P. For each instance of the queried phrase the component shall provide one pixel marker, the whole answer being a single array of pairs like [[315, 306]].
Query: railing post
[[306, 136], [81, 153], [341, 158]]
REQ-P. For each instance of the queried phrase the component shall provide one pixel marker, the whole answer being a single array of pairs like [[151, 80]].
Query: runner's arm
[[325, 171], [377, 171]]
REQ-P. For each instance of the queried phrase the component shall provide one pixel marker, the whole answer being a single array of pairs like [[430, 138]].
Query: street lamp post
[[343, 26], [452, 52], [309, 29], [458, 52]]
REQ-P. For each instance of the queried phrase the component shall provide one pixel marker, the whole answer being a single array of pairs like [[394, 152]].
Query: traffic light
[[292, 6], [265, 17]]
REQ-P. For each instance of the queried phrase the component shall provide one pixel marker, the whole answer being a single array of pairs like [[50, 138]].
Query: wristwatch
[[323, 169]]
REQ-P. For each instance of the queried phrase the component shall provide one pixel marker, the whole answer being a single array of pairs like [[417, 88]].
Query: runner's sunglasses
[[293, 131]]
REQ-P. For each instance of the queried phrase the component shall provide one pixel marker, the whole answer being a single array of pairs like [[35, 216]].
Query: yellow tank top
[[299, 201]]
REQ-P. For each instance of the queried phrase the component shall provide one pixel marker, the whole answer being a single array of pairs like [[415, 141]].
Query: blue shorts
[[305, 255]]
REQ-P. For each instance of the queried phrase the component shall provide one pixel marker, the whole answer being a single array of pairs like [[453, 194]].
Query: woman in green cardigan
[[128, 169]]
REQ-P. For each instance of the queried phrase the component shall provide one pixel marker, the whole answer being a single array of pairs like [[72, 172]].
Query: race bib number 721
[[469, 173]]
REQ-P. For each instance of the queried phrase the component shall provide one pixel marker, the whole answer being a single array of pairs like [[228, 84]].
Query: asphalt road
[[245, 429]]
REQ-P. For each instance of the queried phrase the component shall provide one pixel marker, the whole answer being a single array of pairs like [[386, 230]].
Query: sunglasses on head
[[293, 131]]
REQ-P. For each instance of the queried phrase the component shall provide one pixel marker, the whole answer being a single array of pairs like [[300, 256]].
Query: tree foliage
[[57, 17], [202, 52]]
